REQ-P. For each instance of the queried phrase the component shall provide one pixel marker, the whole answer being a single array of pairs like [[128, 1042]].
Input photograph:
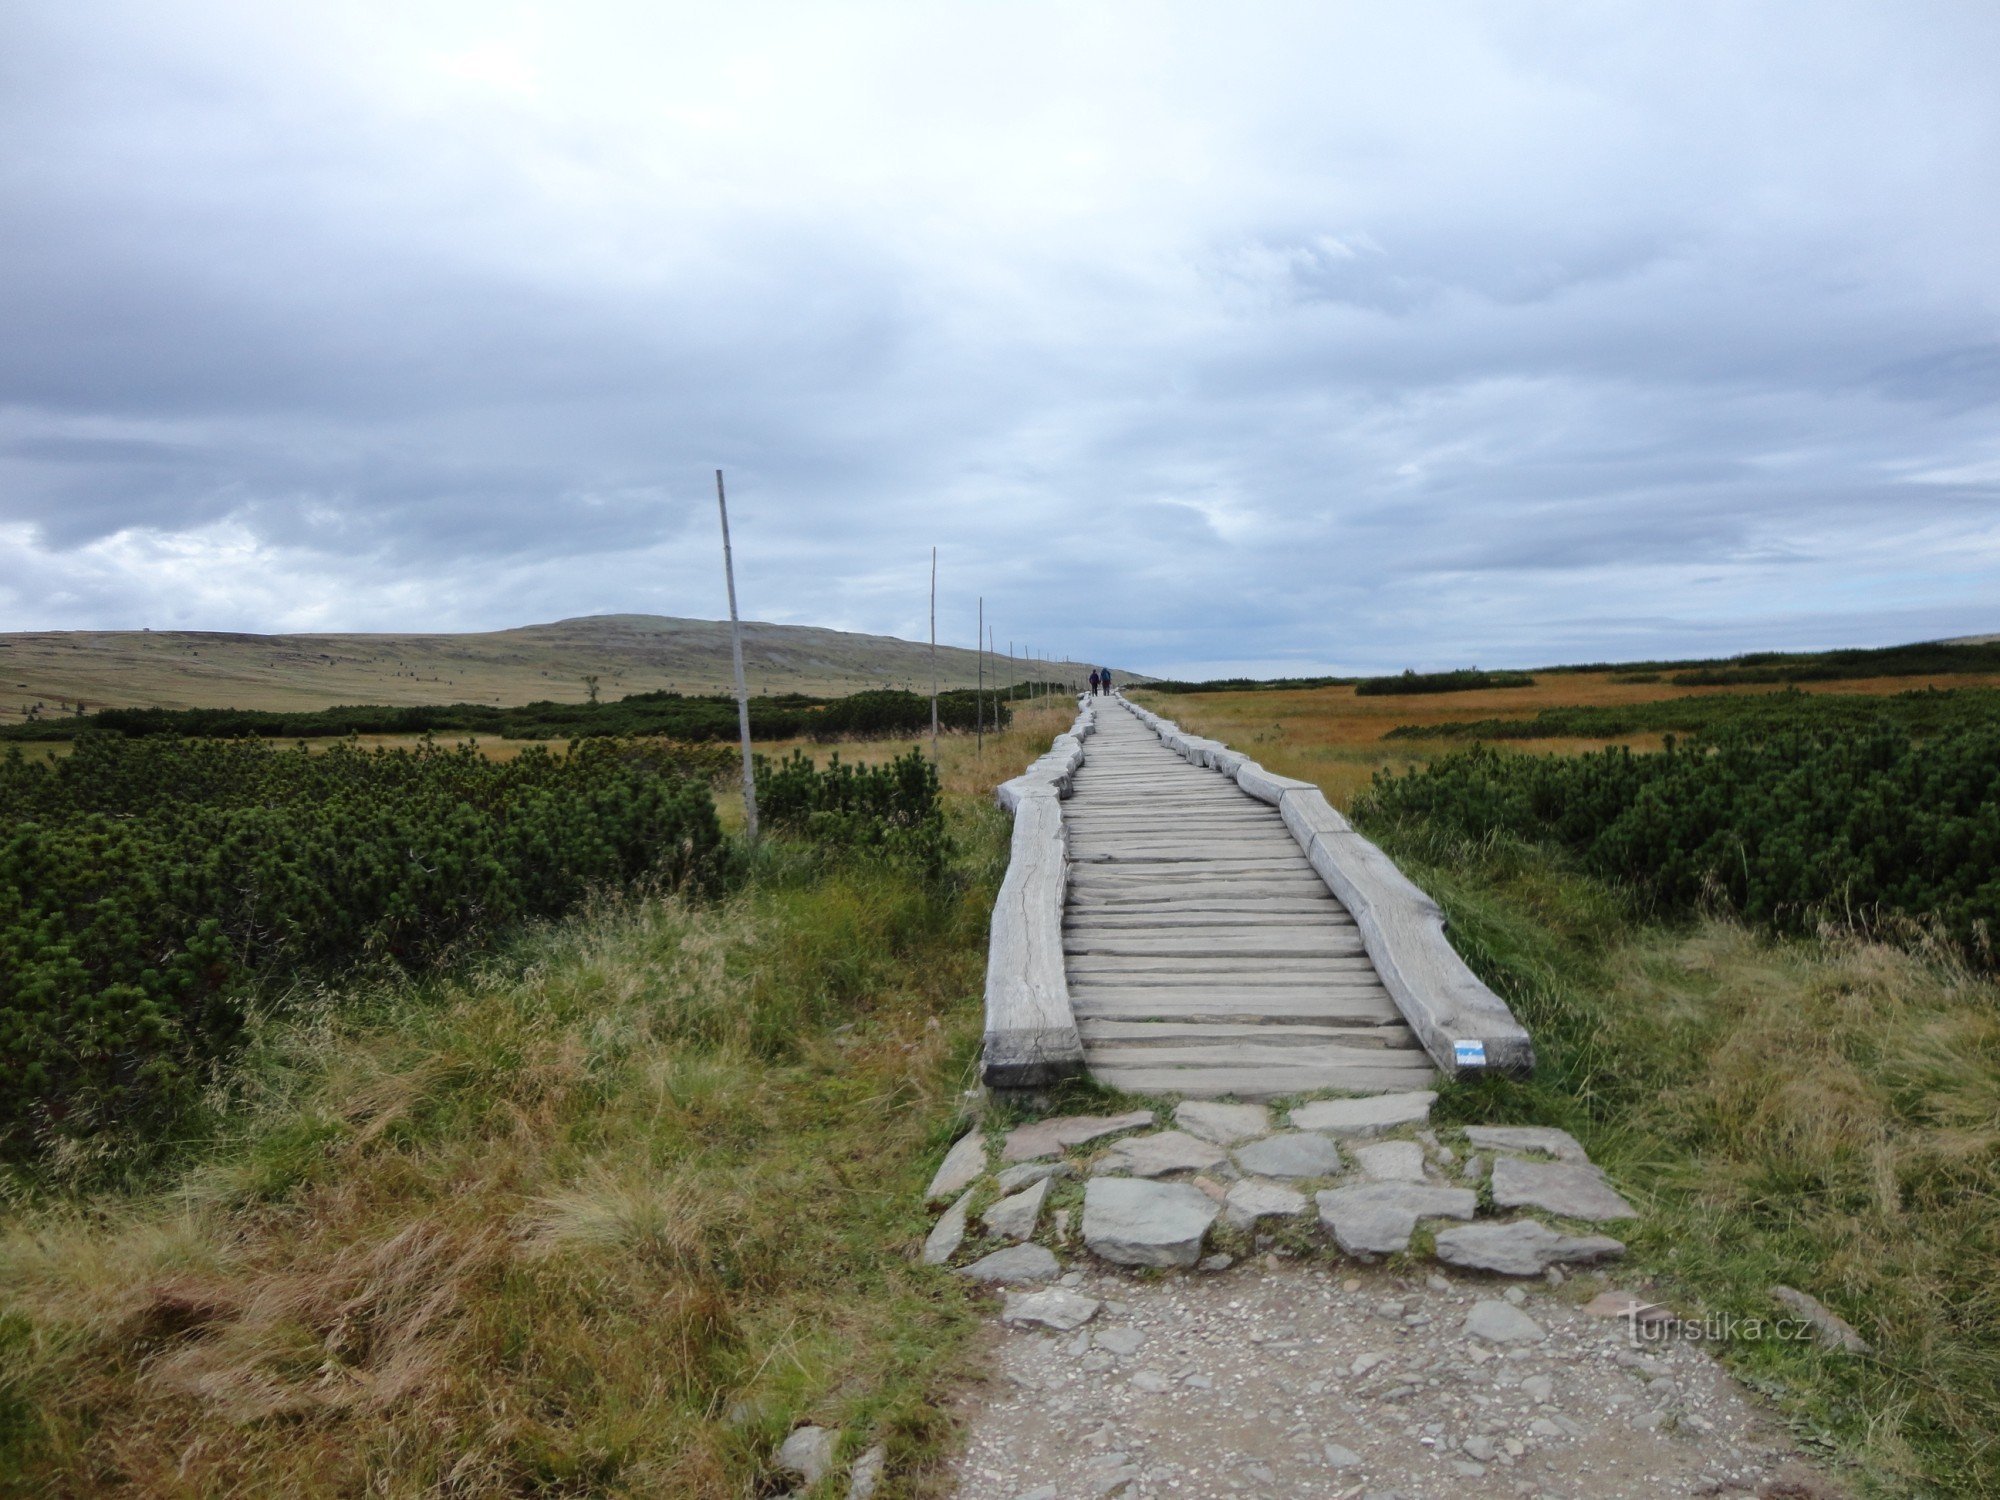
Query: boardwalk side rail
[[1031, 1035], [1464, 1026]]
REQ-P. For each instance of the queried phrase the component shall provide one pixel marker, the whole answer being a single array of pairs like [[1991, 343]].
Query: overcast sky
[[1199, 338]]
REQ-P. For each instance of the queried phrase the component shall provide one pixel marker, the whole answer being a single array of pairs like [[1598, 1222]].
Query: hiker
[[1105, 678], [1093, 682]]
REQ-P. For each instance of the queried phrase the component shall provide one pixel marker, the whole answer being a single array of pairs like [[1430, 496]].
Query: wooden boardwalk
[[1204, 954]]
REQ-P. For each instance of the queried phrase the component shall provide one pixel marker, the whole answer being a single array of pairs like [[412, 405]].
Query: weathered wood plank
[[1260, 1082], [1382, 1015], [1098, 1030], [1194, 921], [1250, 943]]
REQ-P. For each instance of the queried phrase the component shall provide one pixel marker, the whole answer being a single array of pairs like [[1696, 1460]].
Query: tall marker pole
[[736, 651], [934, 656], [979, 697]]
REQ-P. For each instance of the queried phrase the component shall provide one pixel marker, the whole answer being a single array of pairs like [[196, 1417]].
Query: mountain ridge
[[626, 653]]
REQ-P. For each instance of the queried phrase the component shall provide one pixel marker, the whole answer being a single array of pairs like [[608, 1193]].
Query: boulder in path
[[1015, 1218], [948, 1233], [1137, 1223], [1521, 1248], [1557, 1143], [1225, 1124], [808, 1453], [1296, 1153], [963, 1165], [1253, 1199], [1503, 1323], [1377, 1218], [1373, 1115], [1047, 1137], [1834, 1331], [1019, 1263], [1157, 1155], [1574, 1190], [1054, 1307], [1390, 1161]]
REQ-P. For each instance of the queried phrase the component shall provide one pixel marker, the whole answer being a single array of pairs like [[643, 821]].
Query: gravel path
[[1277, 1378]]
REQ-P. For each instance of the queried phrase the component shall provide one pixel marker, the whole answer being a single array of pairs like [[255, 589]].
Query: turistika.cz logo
[[1655, 1325]]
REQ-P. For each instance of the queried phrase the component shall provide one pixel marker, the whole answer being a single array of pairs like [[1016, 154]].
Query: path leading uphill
[[1204, 955]]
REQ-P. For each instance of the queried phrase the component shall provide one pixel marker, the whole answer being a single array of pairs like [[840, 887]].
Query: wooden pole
[[736, 652], [934, 747], [979, 694]]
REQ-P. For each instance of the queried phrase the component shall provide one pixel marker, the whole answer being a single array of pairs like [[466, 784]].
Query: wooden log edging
[[1463, 1025], [1031, 1035]]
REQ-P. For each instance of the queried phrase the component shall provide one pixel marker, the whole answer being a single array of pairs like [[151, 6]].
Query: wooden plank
[[1232, 896], [1380, 1014], [1031, 1034], [1098, 1030], [1252, 943], [1181, 969], [1412, 1065], [1092, 911], [1185, 874], [1090, 919], [1255, 1082], [1165, 861], [1143, 989]]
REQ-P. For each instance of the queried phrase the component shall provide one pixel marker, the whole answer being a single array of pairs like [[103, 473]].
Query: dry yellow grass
[[606, 1217], [627, 653], [1822, 1113], [1334, 738]]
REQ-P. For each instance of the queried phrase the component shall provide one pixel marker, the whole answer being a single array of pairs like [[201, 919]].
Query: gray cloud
[[1296, 339]]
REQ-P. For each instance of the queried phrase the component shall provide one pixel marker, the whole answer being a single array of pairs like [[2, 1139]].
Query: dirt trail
[[1282, 1378]]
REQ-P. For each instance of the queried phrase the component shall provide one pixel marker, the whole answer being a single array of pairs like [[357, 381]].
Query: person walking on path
[[1104, 676], [1094, 680]]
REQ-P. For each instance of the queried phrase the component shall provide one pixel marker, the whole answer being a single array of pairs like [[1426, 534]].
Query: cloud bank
[[1275, 338]]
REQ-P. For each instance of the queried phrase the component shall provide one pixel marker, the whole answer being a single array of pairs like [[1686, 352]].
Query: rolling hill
[[627, 653]]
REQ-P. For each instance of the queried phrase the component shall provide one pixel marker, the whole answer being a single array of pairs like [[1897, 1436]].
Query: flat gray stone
[[1015, 1218], [1137, 1223], [1015, 1263], [1503, 1323], [1341, 1458], [866, 1475], [1373, 1115], [1119, 1340], [1013, 1179], [1833, 1330], [1546, 1138], [1225, 1124], [1253, 1199], [808, 1453], [1390, 1161], [1048, 1137], [948, 1233], [1574, 1190], [1054, 1307], [1296, 1153], [1157, 1155], [1377, 1218], [1523, 1247], [963, 1165]]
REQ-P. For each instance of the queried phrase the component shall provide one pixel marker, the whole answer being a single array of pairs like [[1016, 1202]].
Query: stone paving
[[1367, 1176], [1335, 1300]]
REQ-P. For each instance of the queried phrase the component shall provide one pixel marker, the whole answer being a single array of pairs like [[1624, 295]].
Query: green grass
[[608, 1215], [1823, 1113]]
